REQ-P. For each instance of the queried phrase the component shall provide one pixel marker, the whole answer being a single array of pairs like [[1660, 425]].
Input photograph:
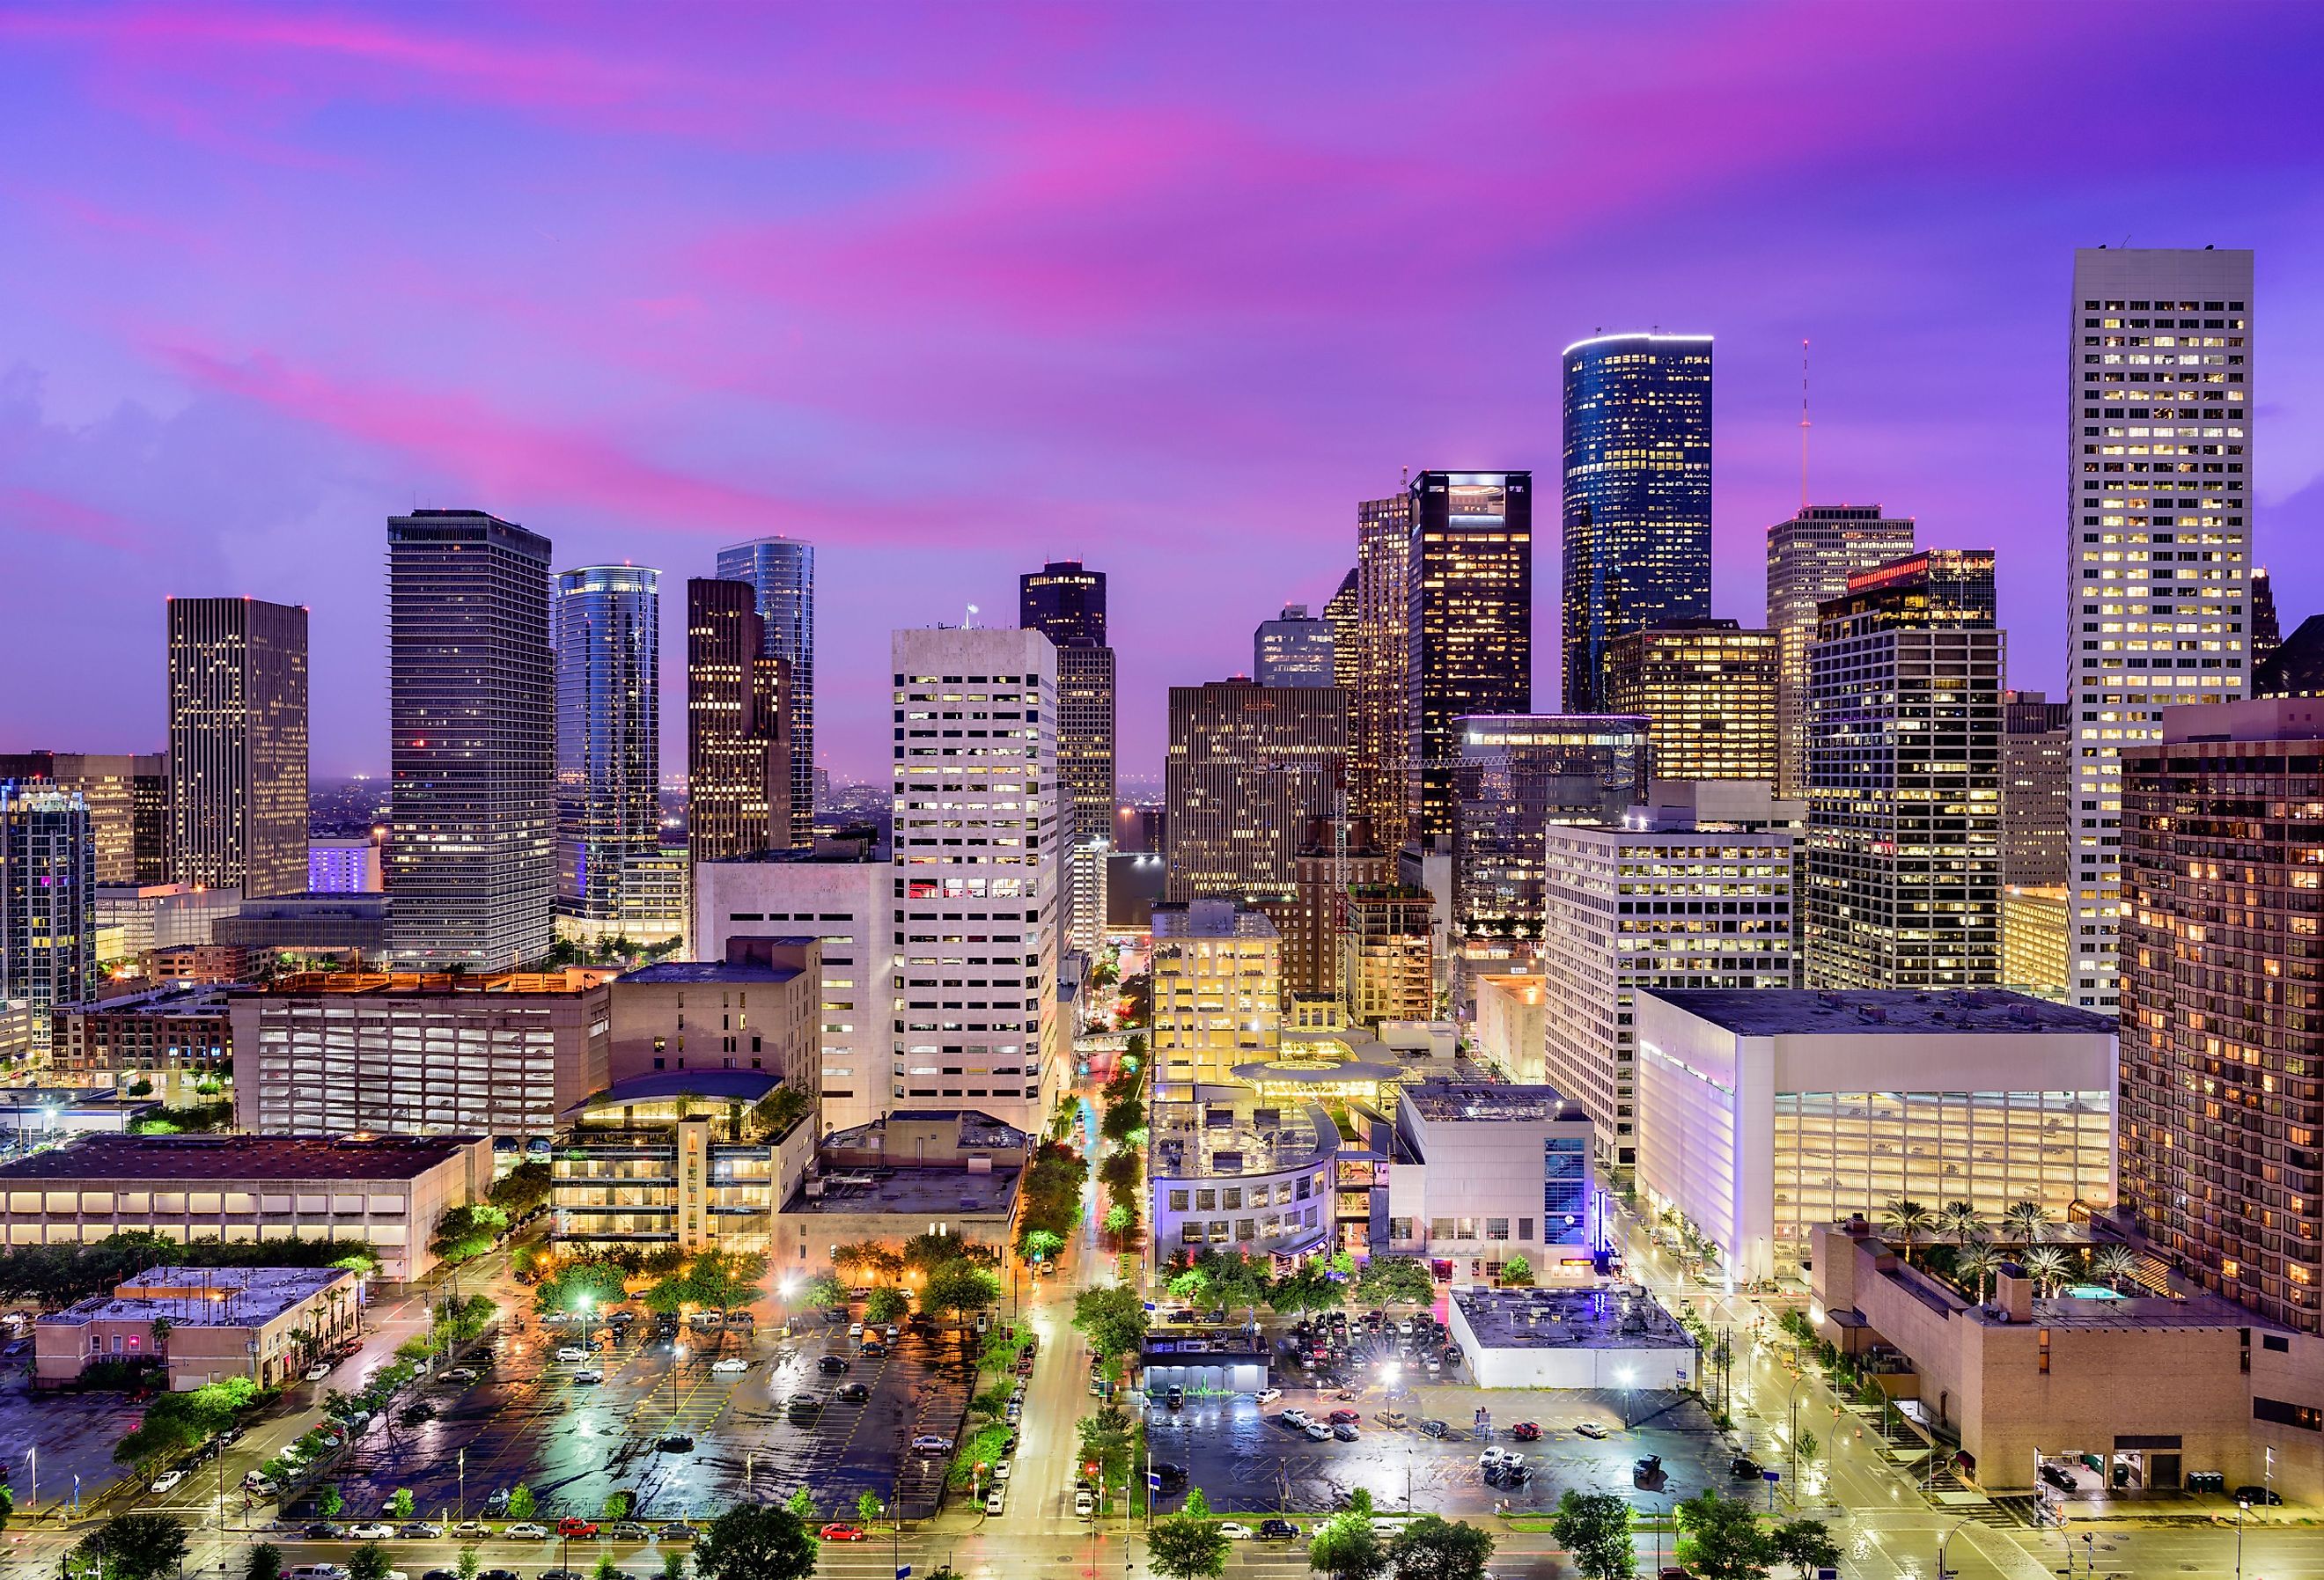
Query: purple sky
[[1168, 288]]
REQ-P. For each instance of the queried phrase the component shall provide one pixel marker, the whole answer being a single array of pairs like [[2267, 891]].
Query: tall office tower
[[1519, 774], [782, 572], [1218, 991], [1380, 712], [1327, 865], [738, 783], [1293, 649], [2296, 668], [1711, 688], [1065, 601], [2036, 790], [238, 745], [1904, 866], [2159, 370], [977, 804], [1471, 632], [1343, 614], [2267, 629], [1388, 953], [472, 716], [2221, 1031], [47, 901], [1637, 495], [1249, 766], [1695, 891], [1809, 558], [127, 794], [608, 623]]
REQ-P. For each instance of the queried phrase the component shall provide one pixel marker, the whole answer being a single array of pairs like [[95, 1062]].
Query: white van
[[1084, 1504]]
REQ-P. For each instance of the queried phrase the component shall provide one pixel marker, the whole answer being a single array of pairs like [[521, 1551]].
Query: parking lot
[[574, 1444]]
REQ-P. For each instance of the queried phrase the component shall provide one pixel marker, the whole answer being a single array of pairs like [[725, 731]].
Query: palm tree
[[2048, 1267], [2113, 1263], [1962, 1221], [1907, 1218], [2029, 1220], [1978, 1260]]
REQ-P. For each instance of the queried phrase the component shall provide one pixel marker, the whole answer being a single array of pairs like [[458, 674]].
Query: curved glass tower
[[782, 571], [1637, 495], [608, 626]]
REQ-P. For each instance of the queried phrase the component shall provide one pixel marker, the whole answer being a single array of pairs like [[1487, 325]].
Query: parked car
[[1176, 1397], [855, 1393], [460, 1374], [1317, 1431], [832, 1365], [730, 1364], [1268, 1395], [2257, 1495], [324, 1531], [1294, 1416], [1436, 1428], [932, 1443], [1525, 1432], [1085, 1502], [497, 1504], [571, 1353], [675, 1443], [1589, 1429], [588, 1375], [372, 1530], [420, 1531], [528, 1530], [844, 1531], [628, 1530], [574, 1525], [674, 1530], [1278, 1530], [1743, 1468], [1345, 1431], [994, 1499], [318, 1572], [317, 1372], [167, 1479], [1235, 1530], [257, 1486], [471, 1527], [1345, 1414], [802, 1404], [1000, 1471]]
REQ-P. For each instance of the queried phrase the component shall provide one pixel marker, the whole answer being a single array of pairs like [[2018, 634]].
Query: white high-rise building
[[2158, 538], [978, 862], [1693, 891]]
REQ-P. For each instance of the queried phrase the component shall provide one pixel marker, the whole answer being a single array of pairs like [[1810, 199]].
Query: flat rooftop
[[978, 1129], [914, 1192], [197, 999], [714, 971], [193, 1296], [1464, 1100], [128, 1160], [1559, 1319], [573, 979], [1774, 1011]]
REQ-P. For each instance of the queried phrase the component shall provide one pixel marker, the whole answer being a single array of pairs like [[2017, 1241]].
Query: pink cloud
[[35, 509]]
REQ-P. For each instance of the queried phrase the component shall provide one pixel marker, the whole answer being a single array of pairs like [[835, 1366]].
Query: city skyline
[[240, 432]]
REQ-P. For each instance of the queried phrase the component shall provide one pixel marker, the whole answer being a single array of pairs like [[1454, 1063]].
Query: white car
[[571, 1353], [526, 1530], [461, 1374], [1235, 1530], [994, 1499], [932, 1443], [589, 1376], [167, 1479], [1318, 1431], [372, 1532], [1298, 1416], [1000, 1472], [317, 1373], [1269, 1395], [730, 1364]]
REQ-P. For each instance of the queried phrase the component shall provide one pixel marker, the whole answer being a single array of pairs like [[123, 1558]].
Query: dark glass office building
[[1469, 630], [782, 570], [608, 629], [1637, 495]]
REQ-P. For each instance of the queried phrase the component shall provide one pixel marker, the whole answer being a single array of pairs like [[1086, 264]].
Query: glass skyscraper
[[1637, 495], [1468, 626], [782, 572], [608, 626]]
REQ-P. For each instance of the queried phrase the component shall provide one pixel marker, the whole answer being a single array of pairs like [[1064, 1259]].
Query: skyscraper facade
[[1065, 601], [47, 901], [1329, 862], [2266, 627], [738, 782], [127, 794], [1521, 773], [238, 745], [2222, 1019], [782, 570], [472, 719], [1249, 766], [1809, 558], [1637, 495], [1293, 649], [1343, 614], [978, 869], [2159, 447], [608, 623], [1711, 688], [1469, 627], [2036, 791], [1904, 864], [1379, 721]]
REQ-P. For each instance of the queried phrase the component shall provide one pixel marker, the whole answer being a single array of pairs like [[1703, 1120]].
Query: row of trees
[[1236, 1278], [1190, 1546], [1050, 1199], [1971, 1254], [61, 1274], [714, 1280]]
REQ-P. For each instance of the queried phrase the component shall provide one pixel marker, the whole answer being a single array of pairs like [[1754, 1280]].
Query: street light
[[1943, 1572], [1627, 1376], [2242, 1506]]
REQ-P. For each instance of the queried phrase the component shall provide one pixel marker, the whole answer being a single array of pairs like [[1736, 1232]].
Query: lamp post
[[1943, 1572], [2242, 1506], [1792, 1406], [584, 1302], [1627, 1376]]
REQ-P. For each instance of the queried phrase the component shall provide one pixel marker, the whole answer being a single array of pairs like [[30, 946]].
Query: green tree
[[1595, 1527], [1122, 1121], [1106, 1440], [930, 1252], [1043, 1245], [959, 1287], [1976, 1261], [2028, 1222], [465, 1232], [1806, 1545], [1119, 1220], [826, 1289], [135, 1547], [2113, 1263], [606, 1568], [802, 1503], [1187, 1546], [1347, 1548], [331, 1500], [617, 1506], [1193, 1286], [522, 1190], [666, 1296], [1517, 1271], [886, 1304], [1114, 1320], [1306, 1288], [2046, 1265], [755, 1541], [1431, 1547], [1962, 1221], [673, 1566], [472, 1562], [265, 1562], [400, 1506], [1236, 1277], [603, 1282], [1907, 1220], [520, 1504], [868, 1508], [368, 1561], [1721, 1538], [724, 1279]]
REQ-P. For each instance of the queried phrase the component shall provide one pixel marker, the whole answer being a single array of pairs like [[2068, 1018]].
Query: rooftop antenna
[[1804, 425], [969, 623]]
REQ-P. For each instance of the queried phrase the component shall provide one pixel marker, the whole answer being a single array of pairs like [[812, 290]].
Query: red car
[[840, 1530], [1525, 1432], [1351, 1416], [574, 1525]]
